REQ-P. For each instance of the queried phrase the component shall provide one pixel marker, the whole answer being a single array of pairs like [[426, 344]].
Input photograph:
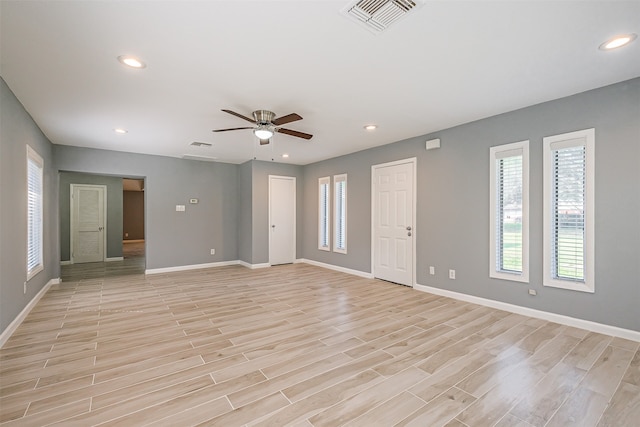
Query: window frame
[[584, 138], [340, 217], [34, 158], [496, 153], [324, 234]]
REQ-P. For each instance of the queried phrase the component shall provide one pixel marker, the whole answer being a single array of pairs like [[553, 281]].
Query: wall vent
[[378, 15], [201, 144]]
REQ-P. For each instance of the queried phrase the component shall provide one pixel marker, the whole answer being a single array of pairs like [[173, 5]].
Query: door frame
[[293, 243], [414, 162], [72, 223]]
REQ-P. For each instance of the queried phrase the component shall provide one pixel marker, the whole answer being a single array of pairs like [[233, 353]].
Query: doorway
[[282, 219], [393, 221]]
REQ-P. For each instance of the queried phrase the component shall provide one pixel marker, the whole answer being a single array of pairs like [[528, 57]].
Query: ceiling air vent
[[378, 15], [200, 144]]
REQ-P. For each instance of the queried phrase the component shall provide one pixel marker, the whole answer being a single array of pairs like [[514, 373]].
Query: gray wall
[[133, 215], [453, 204], [114, 211], [260, 205], [245, 224], [172, 238], [17, 129]]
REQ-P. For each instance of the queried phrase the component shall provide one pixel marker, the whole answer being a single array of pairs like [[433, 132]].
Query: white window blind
[[324, 204], [568, 235], [509, 211], [568, 227], [35, 166], [340, 194]]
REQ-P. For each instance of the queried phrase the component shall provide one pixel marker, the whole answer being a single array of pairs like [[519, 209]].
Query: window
[[568, 210], [509, 194], [35, 166], [324, 224], [340, 194]]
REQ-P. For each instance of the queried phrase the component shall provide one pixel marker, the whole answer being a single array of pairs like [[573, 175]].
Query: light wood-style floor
[[303, 346]]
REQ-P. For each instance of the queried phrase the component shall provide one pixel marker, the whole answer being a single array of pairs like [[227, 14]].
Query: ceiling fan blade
[[294, 133], [224, 130], [239, 115], [293, 117], [264, 141]]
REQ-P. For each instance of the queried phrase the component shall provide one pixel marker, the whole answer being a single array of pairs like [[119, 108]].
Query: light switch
[[179, 208]]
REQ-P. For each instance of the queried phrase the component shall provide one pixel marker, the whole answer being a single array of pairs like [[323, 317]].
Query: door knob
[[408, 228], [273, 226], [409, 234]]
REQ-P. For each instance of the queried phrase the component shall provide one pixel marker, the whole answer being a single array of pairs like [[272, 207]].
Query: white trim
[[133, 241], [294, 225], [325, 180], [68, 262], [254, 266], [190, 267], [104, 218], [538, 314], [498, 152], [336, 268], [34, 157], [114, 258], [584, 138], [414, 162], [9, 330]]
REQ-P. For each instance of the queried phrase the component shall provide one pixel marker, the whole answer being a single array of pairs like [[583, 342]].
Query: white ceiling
[[448, 63]]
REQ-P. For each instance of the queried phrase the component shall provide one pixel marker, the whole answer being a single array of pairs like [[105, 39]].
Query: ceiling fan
[[266, 124]]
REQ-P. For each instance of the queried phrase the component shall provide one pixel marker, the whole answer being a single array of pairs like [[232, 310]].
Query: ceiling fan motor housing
[[264, 117]]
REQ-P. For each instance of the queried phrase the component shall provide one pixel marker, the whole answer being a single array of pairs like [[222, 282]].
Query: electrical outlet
[[213, 251], [533, 292], [432, 270], [452, 274]]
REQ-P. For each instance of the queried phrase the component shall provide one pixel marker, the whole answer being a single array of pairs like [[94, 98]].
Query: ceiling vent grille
[[200, 144], [378, 15]]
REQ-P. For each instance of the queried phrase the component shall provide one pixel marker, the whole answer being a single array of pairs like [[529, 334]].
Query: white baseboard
[[254, 266], [337, 268], [6, 334], [190, 267], [539, 314], [133, 241], [110, 259]]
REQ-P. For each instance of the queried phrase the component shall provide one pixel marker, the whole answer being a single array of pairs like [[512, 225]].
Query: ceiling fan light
[[263, 133]]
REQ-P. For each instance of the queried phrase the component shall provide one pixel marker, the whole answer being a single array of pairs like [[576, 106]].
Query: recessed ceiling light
[[120, 131], [131, 61], [285, 155], [618, 41], [371, 127]]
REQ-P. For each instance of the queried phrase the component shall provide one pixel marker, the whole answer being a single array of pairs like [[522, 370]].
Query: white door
[[88, 214], [393, 221], [282, 219]]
